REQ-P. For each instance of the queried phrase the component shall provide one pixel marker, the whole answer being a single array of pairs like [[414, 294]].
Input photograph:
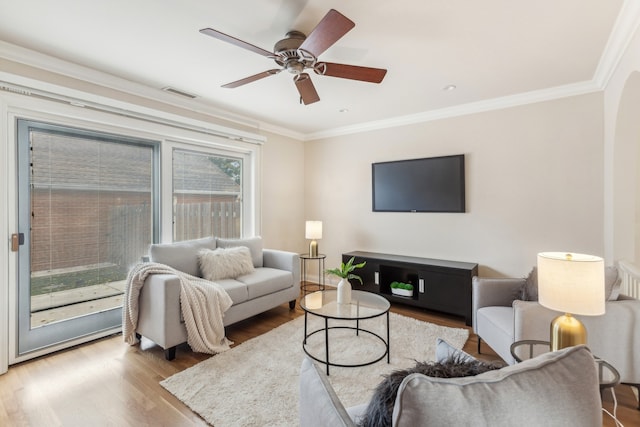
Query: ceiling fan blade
[[307, 90], [333, 26], [236, 42], [353, 72], [253, 78]]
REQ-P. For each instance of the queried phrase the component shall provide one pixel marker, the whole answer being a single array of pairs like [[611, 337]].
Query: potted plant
[[345, 272], [403, 289]]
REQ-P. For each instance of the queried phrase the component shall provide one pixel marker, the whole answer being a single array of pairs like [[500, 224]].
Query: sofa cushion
[[224, 263], [253, 243], [495, 326], [554, 389], [183, 256], [237, 290], [265, 280]]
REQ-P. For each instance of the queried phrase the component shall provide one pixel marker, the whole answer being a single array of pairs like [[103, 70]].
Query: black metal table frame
[[303, 261], [357, 328], [602, 364]]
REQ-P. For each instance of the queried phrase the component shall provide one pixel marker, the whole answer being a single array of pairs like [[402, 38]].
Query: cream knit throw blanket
[[203, 304]]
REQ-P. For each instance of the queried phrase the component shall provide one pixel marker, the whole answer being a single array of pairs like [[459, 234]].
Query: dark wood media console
[[438, 284]]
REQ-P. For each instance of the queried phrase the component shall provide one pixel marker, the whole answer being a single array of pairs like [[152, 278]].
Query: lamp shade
[[571, 283], [313, 230]]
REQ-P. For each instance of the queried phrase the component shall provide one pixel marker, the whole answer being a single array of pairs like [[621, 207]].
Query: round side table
[[609, 380], [304, 258]]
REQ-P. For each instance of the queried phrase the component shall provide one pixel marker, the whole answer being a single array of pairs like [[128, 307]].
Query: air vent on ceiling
[[178, 92]]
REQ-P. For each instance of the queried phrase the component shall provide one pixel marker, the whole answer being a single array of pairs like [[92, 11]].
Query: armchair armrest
[[612, 336], [531, 321], [489, 292], [283, 260]]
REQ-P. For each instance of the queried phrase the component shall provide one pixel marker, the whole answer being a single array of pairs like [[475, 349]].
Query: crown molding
[[532, 97], [623, 31]]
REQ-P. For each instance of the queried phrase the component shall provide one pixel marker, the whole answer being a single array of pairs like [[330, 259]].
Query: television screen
[[434, 184]]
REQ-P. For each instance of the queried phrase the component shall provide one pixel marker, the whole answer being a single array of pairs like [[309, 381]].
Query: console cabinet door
[[447, 291]]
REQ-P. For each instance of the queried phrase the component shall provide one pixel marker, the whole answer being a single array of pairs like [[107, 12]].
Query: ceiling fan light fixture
[[294, 67]]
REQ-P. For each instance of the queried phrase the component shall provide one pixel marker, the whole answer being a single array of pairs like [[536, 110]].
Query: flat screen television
[[434, 184]]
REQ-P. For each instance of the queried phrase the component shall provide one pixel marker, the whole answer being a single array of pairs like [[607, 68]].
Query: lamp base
[[567, 331], [313, 248]]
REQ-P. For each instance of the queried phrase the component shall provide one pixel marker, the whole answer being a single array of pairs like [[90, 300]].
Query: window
[[207, 195]]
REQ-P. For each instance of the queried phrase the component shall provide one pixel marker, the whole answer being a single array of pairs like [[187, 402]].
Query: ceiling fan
[[298, 52]]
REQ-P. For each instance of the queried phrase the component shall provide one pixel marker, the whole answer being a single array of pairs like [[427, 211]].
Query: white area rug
[[256, 383]]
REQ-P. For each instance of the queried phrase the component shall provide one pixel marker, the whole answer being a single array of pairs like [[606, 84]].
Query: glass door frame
[[28, 339]]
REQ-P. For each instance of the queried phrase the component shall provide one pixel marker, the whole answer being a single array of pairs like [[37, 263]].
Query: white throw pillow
[[253, 243], [225, 263]]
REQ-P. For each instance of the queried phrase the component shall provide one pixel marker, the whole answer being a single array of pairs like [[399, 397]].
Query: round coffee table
[[364, 305]]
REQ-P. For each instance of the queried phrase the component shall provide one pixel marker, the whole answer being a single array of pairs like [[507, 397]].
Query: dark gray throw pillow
[[380, 409], [530, 289]]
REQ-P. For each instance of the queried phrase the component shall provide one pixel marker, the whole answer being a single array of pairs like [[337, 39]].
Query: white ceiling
[[488, 49]]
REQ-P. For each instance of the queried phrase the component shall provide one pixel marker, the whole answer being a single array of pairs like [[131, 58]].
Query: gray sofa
[[501, 316], [275, 280], [553, 389]]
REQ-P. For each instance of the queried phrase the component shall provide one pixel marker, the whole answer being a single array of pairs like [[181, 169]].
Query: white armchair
[[501, 318]]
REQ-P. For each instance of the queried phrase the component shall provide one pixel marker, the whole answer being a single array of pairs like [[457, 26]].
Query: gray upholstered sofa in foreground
[[553, 389], [275, 280]]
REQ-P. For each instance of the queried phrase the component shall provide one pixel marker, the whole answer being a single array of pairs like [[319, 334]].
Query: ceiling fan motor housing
[[288, 54]]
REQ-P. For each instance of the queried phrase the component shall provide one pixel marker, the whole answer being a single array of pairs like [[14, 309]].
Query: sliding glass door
[[88, 210]]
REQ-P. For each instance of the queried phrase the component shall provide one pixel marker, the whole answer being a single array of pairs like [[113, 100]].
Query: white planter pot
[[344, 292], [402, 292]]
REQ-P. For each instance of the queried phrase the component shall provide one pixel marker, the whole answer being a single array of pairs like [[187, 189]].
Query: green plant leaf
[[345, 270], [355, 276]]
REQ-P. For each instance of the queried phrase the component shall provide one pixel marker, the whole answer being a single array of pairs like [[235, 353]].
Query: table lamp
[[313, 231], [574, 284]]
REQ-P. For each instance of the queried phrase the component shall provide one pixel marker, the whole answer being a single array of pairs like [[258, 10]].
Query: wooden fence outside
[[195, 220], [131, 230]]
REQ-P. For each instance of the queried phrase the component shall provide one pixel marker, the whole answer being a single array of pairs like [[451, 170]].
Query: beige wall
[[533, 181], [283, 193]]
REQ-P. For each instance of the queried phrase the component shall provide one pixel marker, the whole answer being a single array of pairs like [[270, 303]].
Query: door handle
[[17, 239]]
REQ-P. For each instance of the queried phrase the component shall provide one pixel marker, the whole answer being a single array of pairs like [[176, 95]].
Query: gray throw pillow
[[445, 351], [612, 283], [183, 256], [379, 412], [554, 389], [530, 288]]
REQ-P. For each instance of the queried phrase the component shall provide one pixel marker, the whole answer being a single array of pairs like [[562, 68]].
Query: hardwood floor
[[108, 383]]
